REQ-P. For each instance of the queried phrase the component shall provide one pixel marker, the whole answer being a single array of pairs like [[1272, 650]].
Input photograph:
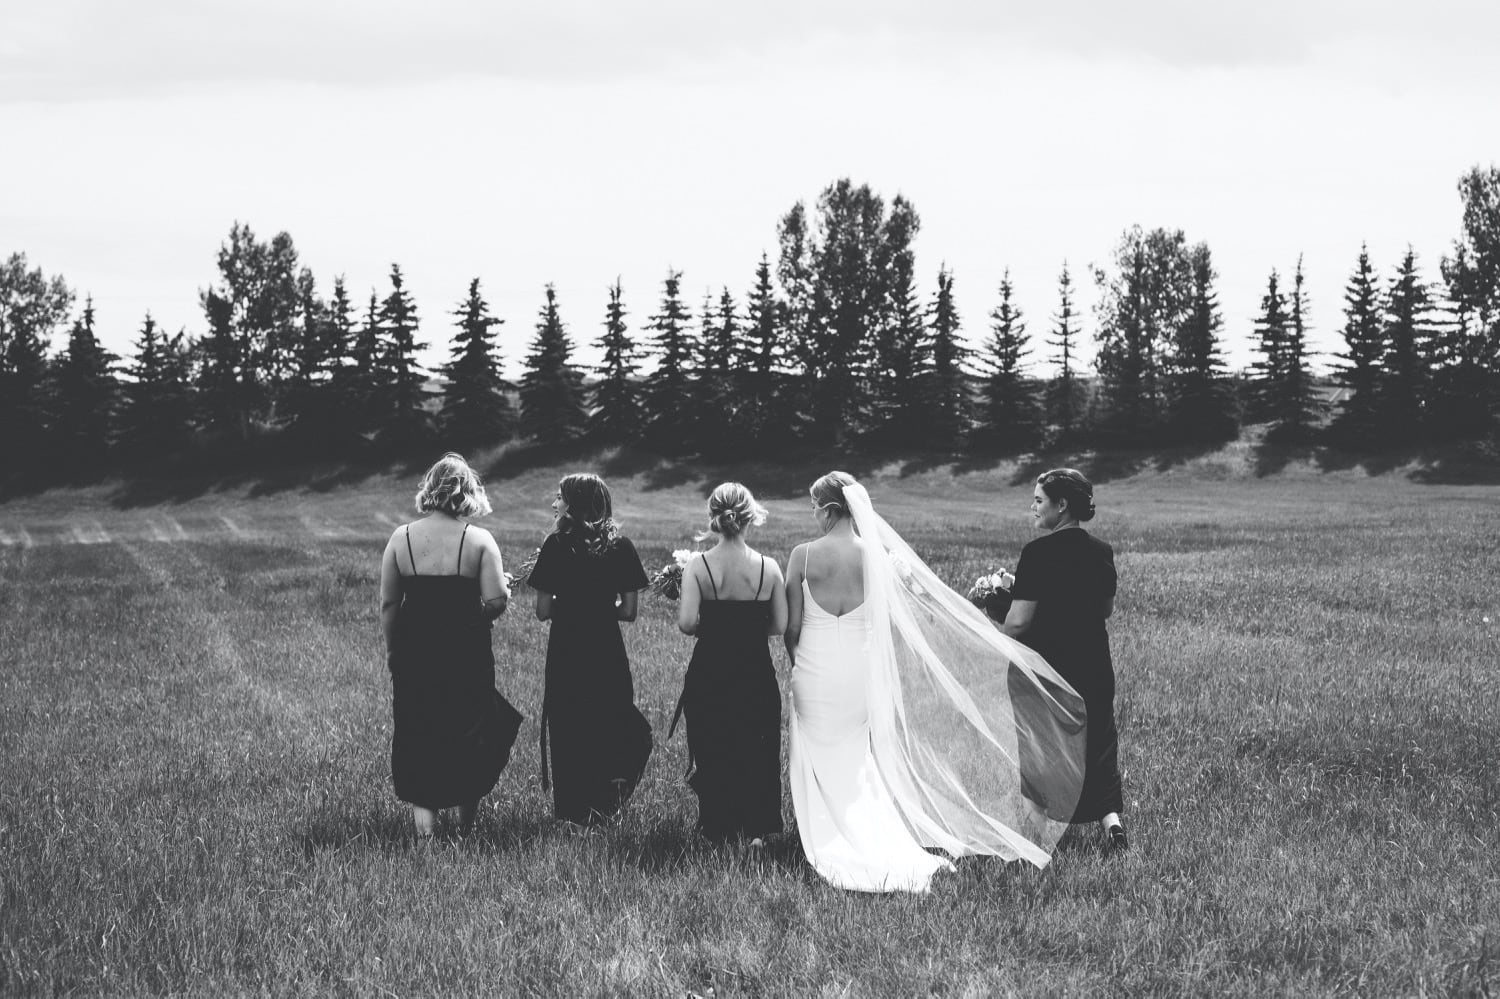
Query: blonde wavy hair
[[452, 487]]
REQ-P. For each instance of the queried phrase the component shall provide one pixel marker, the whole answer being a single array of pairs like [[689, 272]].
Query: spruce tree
[[1270, 342], [674, 385], [476, 410], [156, 418], [85, 393], [552, 394], [368, 379], [1409, 337], [343, 401], [763, 358], [948, 394], [1064, 396], [1297, 403], [616, 415], [406, 417], [717, 395], [305, 396], [1200, 404], [1009, 415], [1358, 423]]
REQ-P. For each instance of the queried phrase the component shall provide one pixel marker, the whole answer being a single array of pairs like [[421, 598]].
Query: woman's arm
[[689, 599], [779, 609], [1109, 607], [390, 592], [1022, 612], [630, 602], [492, 586], [795, 566], [543, 606]]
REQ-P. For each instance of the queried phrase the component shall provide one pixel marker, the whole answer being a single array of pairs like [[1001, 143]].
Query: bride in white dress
[[915, 723]]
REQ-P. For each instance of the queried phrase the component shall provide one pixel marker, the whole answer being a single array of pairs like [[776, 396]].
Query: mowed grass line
[[196, 795]]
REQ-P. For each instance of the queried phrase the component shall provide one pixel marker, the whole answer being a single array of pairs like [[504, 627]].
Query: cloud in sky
[[82, 49]]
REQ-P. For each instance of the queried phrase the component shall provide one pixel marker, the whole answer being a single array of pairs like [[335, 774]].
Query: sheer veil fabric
[[981, 743]]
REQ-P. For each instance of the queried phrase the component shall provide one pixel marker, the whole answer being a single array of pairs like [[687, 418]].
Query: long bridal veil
[[979, 740]]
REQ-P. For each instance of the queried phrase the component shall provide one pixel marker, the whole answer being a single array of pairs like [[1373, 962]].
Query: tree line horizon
[[832, 345]]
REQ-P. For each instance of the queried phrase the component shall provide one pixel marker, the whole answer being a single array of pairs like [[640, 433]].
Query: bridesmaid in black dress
[[588, 579], [734, 601], [1063, 591], [441, 585]]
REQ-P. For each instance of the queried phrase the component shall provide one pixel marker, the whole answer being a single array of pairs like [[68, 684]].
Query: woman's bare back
[[835, 573]]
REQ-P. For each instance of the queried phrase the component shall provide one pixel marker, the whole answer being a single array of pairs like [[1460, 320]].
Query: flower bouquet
[[522, 575], [991, 593], [667, 580]]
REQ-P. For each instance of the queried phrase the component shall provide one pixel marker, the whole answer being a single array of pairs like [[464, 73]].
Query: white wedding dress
[[916, 724], [847, 819]]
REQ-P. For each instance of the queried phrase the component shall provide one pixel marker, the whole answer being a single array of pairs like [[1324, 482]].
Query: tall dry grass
[[194, 793]]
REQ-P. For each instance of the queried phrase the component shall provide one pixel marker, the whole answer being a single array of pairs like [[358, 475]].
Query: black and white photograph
[[803, 499]]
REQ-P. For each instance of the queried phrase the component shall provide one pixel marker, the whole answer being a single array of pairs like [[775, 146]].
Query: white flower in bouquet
[[668, 579], [991, 593]]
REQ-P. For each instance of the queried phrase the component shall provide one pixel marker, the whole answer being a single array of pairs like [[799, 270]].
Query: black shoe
[[1117, 838]]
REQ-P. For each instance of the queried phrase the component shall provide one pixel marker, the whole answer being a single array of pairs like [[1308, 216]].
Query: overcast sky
[[574, 142]]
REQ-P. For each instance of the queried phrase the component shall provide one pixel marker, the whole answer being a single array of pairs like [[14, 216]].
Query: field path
[[160, 527]]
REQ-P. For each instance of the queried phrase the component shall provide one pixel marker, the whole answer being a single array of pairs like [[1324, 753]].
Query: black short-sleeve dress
[[1071, 575], [594, 738]]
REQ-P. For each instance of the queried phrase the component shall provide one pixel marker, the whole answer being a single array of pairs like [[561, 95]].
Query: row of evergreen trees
[[833, 345]]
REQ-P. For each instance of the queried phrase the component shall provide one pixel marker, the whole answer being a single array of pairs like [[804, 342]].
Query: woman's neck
[[1064, 525], [735, 544], [843, 527]]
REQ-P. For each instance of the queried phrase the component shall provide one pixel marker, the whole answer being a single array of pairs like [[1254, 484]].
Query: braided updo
[[731, 509], [1071, 485]]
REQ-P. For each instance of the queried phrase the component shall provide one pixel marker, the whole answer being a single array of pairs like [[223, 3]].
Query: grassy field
[[194, 726]]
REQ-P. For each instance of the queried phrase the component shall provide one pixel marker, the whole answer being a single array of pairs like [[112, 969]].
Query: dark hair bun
[[1071, 485]]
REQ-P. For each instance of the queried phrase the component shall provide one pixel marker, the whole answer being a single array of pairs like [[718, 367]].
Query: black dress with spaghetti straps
[[453, 729], [732, 707], [594, 740]]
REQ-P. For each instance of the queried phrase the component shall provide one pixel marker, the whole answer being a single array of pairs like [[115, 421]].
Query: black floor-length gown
[[732, 707], [1071, 575], [592, 735], [453, 729]]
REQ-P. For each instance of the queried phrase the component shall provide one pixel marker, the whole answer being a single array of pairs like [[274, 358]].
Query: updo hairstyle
[[1071, 485], [731, 509], [452, 487], [828, 493], [588, 512]]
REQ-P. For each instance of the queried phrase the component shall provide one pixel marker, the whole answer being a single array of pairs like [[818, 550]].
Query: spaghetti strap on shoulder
[[710, 576], [458, 567], [409, 555], [762, 581]]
